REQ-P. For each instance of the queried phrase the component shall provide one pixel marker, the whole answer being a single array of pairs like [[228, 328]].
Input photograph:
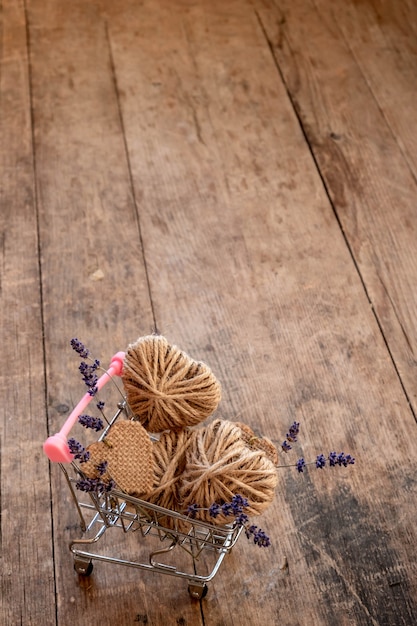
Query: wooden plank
[[364, 169], [249, 270], [384, 45], [248, 266], [27, 569], [94, 278]]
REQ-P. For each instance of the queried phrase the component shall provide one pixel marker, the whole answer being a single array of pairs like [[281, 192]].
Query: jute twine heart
[[210, 465], [220, 464], [165, 388], [169, 463], [127, 449]]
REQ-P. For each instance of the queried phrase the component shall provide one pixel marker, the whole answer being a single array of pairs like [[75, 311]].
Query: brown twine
[[258, 443], [165, 388], [169, 463], [127, 449], [220, 464]]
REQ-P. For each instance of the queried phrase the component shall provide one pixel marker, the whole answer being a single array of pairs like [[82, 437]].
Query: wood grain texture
[[246, 231], [177, 188], [27, 567], [357, 132], [94, 278], [382, 41]]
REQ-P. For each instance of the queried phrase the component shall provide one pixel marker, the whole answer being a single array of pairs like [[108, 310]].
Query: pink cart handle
[[56, 447]]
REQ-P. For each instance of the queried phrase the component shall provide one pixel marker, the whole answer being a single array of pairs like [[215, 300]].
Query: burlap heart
[[166, 389], [127, 449]]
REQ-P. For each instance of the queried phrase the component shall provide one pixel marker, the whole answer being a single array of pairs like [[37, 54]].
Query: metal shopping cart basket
[[167, 533]]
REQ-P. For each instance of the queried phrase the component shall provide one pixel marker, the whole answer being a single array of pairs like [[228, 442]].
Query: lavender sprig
[[321, 461], [340, 459], [89, 375], [88, 421], [78, 450], [102, 467], [80, 348], [291, 436], [95, 485], [260, 538], [301, 465], [293, 431], [236, 508]]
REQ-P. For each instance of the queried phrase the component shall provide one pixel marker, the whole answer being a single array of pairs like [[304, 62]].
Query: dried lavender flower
[[239, 503], [340, 459], [89, 376], [102, 467], [241, 519], [78, 450], [88, 421], [94, 485], [214, 510], [227, 508], [80, 348], [236, 508], [320, 461], [301, 465], [293, 431], [260, 538], [192, 510]]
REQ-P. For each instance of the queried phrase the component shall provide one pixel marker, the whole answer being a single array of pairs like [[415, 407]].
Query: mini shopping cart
[[165, 533]]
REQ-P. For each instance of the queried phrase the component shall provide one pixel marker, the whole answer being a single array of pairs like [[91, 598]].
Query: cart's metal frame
[[175, 531]]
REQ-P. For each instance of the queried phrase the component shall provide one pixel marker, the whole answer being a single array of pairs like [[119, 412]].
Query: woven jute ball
[[168, 466], [165, 388], [219, 464], [127, 449]]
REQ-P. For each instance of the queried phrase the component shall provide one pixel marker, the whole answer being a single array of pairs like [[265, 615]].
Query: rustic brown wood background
[[240, 174]]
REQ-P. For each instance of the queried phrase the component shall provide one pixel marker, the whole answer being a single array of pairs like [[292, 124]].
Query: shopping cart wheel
[[198, 592], [83, 567]]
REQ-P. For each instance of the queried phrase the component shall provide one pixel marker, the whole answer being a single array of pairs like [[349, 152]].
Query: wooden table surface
[[240, 175]]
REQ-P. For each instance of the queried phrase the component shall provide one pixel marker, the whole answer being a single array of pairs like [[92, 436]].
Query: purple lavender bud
[[95, 423], [345, 459], [87, 484], [241, 519], [214, 510], [301, 465], [286, 446], [340, 459], [251, 530], [293, 431], [111, 485], [94, 485], [332, 459], [79, 348], [102, 467], [192, 510], [320, 461], [238, 503], [78, 450], [261, 539], [227, 509]]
